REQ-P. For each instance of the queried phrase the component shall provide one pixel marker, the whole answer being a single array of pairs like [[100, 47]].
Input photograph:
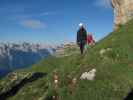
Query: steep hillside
[[112, 57]]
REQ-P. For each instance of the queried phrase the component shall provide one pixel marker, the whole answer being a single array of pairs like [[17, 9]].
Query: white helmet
[[81, 25]]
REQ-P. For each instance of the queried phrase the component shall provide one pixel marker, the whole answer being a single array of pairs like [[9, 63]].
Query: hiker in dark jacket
[[81, 37]]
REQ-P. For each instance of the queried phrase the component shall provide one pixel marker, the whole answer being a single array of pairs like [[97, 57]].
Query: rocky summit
[[123, 11]]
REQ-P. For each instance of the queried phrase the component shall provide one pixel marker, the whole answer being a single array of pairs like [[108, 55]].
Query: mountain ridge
[[19, 55]]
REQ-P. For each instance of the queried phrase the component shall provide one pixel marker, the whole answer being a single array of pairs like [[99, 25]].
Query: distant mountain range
[[15, 56]]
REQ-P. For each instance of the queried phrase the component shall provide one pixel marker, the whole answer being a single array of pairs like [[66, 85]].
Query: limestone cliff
[[123, 11]]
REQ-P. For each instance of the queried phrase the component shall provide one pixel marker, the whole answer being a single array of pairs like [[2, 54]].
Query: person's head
[[81, 25]]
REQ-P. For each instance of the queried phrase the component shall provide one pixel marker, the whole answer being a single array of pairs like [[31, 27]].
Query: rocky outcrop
[[66, 49], [11, 84], [123, 11]]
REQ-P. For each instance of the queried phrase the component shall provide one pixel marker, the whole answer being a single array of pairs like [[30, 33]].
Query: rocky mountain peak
[[20, 55]]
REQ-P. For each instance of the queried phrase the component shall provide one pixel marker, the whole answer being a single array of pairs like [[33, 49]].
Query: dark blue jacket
[[81, 36]]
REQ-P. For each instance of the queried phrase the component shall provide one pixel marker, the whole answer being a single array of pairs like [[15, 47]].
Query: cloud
[[48, 13], [33, 24], [103, 3]]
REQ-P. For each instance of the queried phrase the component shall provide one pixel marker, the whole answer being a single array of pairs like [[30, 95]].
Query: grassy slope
[[113, 78]]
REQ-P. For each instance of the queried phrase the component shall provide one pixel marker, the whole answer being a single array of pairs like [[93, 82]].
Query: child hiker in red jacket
[[90, 40]]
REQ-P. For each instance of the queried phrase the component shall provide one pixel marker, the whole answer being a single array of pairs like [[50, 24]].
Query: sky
[[53, 21]]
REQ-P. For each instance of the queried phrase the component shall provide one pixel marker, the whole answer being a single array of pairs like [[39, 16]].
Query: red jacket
[[89, 39]]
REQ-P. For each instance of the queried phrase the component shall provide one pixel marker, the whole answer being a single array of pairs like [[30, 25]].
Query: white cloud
[[34, 24], [103, 3], [48, 13]]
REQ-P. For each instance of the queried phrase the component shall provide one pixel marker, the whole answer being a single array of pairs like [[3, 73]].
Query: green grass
[[114, 76]]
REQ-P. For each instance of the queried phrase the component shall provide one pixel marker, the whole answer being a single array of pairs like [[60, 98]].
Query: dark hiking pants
[[82, 45]]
